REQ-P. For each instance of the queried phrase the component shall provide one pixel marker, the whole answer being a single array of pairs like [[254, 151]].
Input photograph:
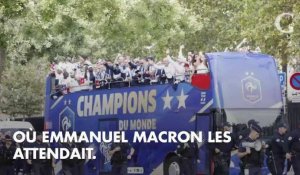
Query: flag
[[81, 81], [202, 81]]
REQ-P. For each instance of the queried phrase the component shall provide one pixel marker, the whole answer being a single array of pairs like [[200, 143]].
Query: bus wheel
[[172, 166]]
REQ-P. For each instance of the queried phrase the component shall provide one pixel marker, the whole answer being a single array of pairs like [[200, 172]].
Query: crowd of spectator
[[73, 75]]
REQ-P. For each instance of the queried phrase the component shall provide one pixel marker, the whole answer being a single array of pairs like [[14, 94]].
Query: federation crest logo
[[251, 89], [66, 120]]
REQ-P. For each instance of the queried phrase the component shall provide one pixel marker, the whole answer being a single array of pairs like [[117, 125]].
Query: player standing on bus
[[250, 151], [119, 157], [222, 153], [7, 151], [276, 150], [294, 149]]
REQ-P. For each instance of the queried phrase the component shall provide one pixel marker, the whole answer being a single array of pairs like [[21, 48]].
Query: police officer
[[19, 163], [245, 133], [222, 153], [1, 135], [7, 151], [69, 166], [120, 153], [276, 150], [27, 169], [73, 166], [1, 138], [250, 151], [189, 154], [294, 149], [80, 162], [40, 166]]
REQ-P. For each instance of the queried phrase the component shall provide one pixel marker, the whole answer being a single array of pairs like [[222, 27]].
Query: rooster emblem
[[66, 123], [250, 87], [66, 120]]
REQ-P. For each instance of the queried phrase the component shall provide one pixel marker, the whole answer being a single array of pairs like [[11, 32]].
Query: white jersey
[[179, 70], [169, 71], [70, 67], [201, 69], [73, 85], [59, 77], [126, 71]]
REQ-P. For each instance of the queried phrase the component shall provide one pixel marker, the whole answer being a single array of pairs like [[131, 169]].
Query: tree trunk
[[284, 55], [284, 64], [2, 61]]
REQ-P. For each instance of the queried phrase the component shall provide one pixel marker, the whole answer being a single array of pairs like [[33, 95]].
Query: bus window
[[266, 118], [219, 118]]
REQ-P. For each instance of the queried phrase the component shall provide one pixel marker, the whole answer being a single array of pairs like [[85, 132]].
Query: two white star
[[67, 102], [181, 99], [167, 100]]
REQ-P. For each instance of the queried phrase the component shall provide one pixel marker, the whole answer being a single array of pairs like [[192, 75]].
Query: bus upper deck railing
[[61, 89]]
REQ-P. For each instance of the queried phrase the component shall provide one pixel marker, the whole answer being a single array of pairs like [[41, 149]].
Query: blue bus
[[237, 88]]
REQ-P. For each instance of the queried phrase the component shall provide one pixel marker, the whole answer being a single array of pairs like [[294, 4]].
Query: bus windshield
[[265, 117]]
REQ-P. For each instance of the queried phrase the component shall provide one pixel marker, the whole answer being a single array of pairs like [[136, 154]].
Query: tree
[[2, 61], [263, 33], [44, 29], [96, 28], [226, 23], [8, 10], [22, 89]]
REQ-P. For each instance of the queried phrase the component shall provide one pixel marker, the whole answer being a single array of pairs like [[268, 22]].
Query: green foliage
[[227, 22], [43, 29], [102, 28], [46, 28], [22, 89], [97, 28]]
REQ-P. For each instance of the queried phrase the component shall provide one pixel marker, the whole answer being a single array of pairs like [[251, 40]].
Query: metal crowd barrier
[[109, 83]]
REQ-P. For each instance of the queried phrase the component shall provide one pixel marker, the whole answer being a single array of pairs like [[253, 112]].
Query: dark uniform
[[222, 154], [189, 153], [1, 142], [1, 139], [19, 163], [243, 134], [119, 158], [7, 151], [27, 166], [70, 166], [276, 151], [294, 149], [252, 161], [41, 166], [80, 162]]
